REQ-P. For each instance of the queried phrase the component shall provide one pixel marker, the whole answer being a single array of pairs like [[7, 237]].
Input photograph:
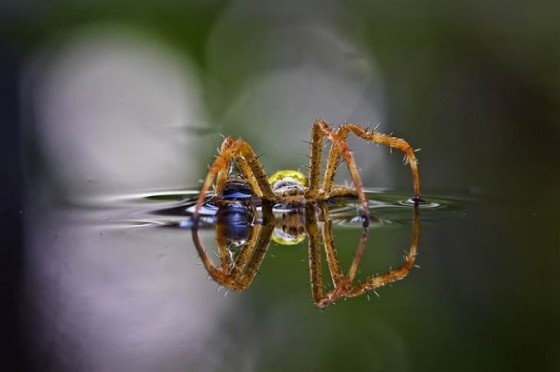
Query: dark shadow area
[[11, 259]]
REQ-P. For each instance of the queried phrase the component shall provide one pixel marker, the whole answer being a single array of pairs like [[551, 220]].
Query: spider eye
[[287, 175]]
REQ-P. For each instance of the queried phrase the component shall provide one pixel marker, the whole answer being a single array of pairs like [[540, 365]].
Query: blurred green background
[[93, 92]]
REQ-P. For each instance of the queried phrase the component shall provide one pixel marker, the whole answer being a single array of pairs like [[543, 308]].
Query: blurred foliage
[[461, 71]]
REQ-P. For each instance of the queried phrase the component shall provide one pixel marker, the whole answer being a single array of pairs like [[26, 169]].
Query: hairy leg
[[375, 137], [244, 157], [339, 141], [398, 273]]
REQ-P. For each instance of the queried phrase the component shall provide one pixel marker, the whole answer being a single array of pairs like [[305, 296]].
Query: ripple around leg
[[174, 209]]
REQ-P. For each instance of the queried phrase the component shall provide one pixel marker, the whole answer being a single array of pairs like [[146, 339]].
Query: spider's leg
[[220, 169], [339, 142], [358, 255], [314, 163], [239, 275], [313, 243], [328, 240], [223, 250], [220, 275], [333, 161], [342, 284], [256, 251], [390, 141], [398, 273], [248, 164], [241, 152], [245, 255], [223, 228], [222, 175], [250, 167]]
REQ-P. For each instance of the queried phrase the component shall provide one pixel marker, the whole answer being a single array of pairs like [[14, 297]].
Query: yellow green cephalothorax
[[287, 179]]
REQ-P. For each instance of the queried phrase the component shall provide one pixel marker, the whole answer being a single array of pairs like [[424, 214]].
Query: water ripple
[[174, 208]]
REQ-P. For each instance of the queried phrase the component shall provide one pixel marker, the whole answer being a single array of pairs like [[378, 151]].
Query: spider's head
[[287, 180]]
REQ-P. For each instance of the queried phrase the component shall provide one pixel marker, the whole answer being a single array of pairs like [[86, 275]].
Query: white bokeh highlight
[[111, 112], [301, 65]]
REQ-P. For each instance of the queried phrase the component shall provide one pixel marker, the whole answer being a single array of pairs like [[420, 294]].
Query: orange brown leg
[[343, 284], [399, 273], [375, 137], [322, 128], [242, 154], [239, 274]]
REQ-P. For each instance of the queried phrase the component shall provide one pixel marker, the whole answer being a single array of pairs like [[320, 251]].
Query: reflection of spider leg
[[238, 275], [332, 257], [342, 284], [224, 251], [313, 242], [244, 157], [328, 241], [220, 275], [247, 264], [375, 137], [399, 273]]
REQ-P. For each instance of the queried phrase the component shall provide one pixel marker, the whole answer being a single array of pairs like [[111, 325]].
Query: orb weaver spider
[[243, 240], [292, 187]]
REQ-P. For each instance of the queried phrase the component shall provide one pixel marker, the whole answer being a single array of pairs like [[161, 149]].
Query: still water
[[113, 281], [118, 285], [244, 229]]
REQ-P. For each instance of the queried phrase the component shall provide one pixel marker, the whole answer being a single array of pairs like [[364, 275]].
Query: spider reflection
[[244, 233]]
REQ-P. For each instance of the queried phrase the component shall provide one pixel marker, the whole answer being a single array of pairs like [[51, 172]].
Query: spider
[[243, 241], [292, 187]]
